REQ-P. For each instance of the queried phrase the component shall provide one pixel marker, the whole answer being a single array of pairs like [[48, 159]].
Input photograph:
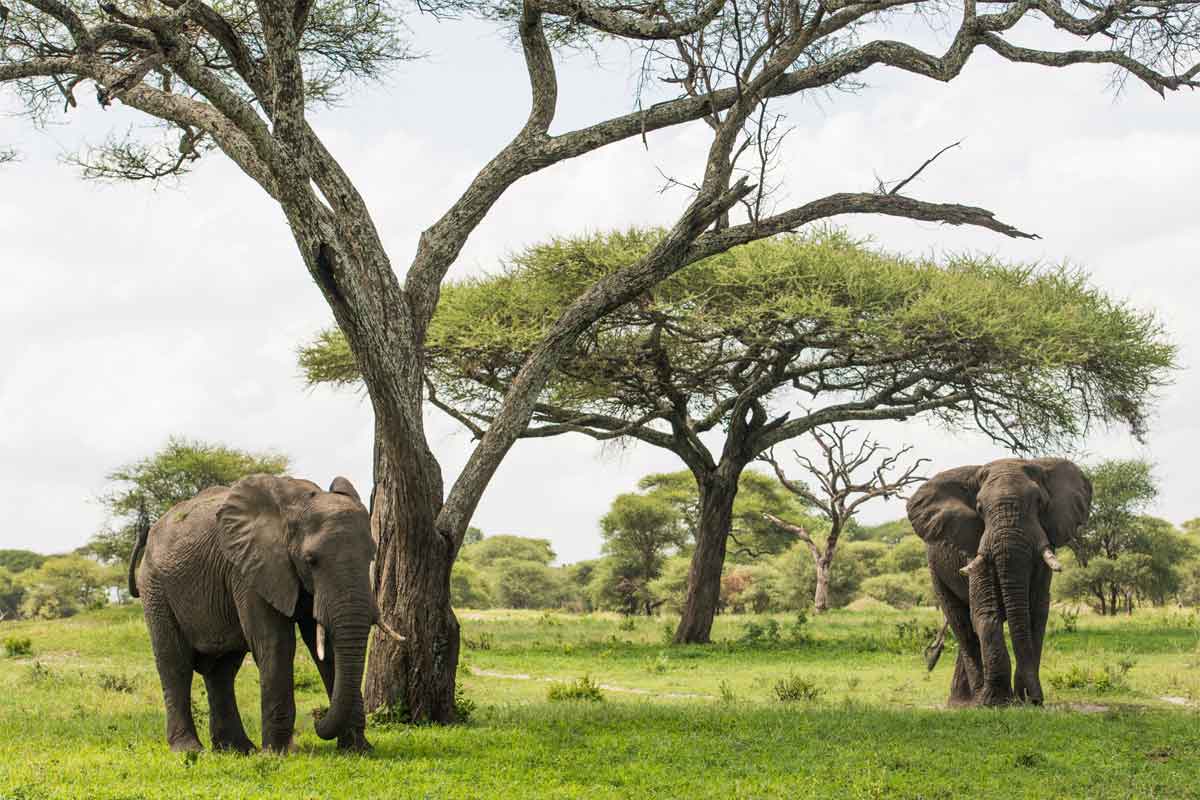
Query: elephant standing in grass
[[235, 570], [1010, 505]]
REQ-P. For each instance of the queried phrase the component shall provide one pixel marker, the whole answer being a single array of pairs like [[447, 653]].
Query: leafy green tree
[[469, 587], [906, 555], [65, 585], [487, 552], [11, 594], [472, 536], [148, 488], [528, 584], [639, 531], [721, 352], [1149, 562], [20, 560], [889, 533], [899, 589], [1121, 490]]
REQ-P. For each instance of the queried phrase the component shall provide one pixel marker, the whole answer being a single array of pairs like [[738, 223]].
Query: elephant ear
[[1070, 499], [943, 509], [254, 538], [342, 485]]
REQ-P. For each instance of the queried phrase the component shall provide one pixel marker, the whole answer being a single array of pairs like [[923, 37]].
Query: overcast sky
[[131, 313]]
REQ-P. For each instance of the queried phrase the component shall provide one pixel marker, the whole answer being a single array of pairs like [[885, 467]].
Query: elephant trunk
[[1014, 559], [345, 713]]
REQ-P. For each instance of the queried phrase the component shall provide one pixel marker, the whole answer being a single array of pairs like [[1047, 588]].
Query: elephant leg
[[274, 655], [175, 661], [968, 669], [996, 687], [355, 739], [225, 722], [1027, 683]]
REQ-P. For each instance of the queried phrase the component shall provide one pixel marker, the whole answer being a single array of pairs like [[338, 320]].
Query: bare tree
[[841, 489], [240, 77]]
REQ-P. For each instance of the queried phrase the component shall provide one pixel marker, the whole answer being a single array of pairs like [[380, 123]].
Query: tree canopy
[[181, 469], [1029, 355], [1121, 491]]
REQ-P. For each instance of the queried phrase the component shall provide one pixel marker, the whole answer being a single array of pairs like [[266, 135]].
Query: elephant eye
[[310, 558]]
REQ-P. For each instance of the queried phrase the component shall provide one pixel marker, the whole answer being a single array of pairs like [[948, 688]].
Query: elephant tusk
[[387, 629], [320, 642], [1051, 560]]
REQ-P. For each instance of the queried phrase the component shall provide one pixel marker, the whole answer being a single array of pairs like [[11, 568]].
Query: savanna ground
[[81, 716]]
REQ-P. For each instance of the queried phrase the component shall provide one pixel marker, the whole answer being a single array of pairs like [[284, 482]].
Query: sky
[[130, 313]]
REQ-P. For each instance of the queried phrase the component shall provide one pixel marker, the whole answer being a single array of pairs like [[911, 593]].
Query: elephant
[[236, 569], [1010, 505]]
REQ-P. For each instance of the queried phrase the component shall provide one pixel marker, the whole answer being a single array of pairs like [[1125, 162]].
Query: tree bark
[[821, 595], [412, 582], [717, 493]]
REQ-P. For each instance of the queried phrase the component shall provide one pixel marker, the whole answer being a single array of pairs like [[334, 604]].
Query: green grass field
[[81, 716]]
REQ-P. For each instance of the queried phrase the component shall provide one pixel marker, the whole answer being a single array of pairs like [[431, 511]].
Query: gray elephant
[[235, 570], [1005, 509]]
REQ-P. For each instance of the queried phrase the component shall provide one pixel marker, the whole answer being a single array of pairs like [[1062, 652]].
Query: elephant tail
[[143, 532], [934, 651]]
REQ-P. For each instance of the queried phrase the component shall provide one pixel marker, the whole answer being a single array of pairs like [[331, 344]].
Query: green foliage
[[1121, 489], [1150, 561], [1042, 348], [899, 589], [11, 594], [180, 470], [469, 587], [17, 646], [795, 689], [481, 642], [581, 689], [528, 584], [20, 560], [66, 585], [472, 536], [890, 533], [117, 682], [639, 531], [485, 553], [464, 707], [907, 555], [1068, 619], [1104, 679]]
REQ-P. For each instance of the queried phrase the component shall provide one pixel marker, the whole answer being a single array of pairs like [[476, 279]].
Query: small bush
[[1068, 619], [795, 688], [796, 631], [111, 682], [15, 646], [727, 694], [464, 707], [583, 689], [668, 633], [484, 642], [627, 624], [911, 636], [1106, 678], [767, 633], [657, 665]]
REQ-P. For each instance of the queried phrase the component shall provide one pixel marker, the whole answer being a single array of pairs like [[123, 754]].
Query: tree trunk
[[717, 493], [412, 581], [821, 595]]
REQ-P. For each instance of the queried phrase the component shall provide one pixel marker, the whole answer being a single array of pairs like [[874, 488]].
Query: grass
[[82, 717]]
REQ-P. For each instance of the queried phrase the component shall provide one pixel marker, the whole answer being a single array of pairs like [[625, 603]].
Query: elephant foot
[[243, 746], [354, 742], [186, 744]]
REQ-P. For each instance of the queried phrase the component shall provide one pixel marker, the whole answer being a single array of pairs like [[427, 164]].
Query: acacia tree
[[840, 489], [639, 530], [148, 488], [240, 77], [714, 363]]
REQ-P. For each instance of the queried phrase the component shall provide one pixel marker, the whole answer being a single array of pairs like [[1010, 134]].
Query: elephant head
[[285, 535], [1015, 506]]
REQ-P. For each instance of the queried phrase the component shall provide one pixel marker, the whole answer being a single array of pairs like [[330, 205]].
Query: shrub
[[795, 688], [484, 642], [111, 682], [911, 636], [727, 693], [464, 707], [1102, 679], [767, 633], [1069, 619], [627, 623], [583, 689], [15, 646]]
